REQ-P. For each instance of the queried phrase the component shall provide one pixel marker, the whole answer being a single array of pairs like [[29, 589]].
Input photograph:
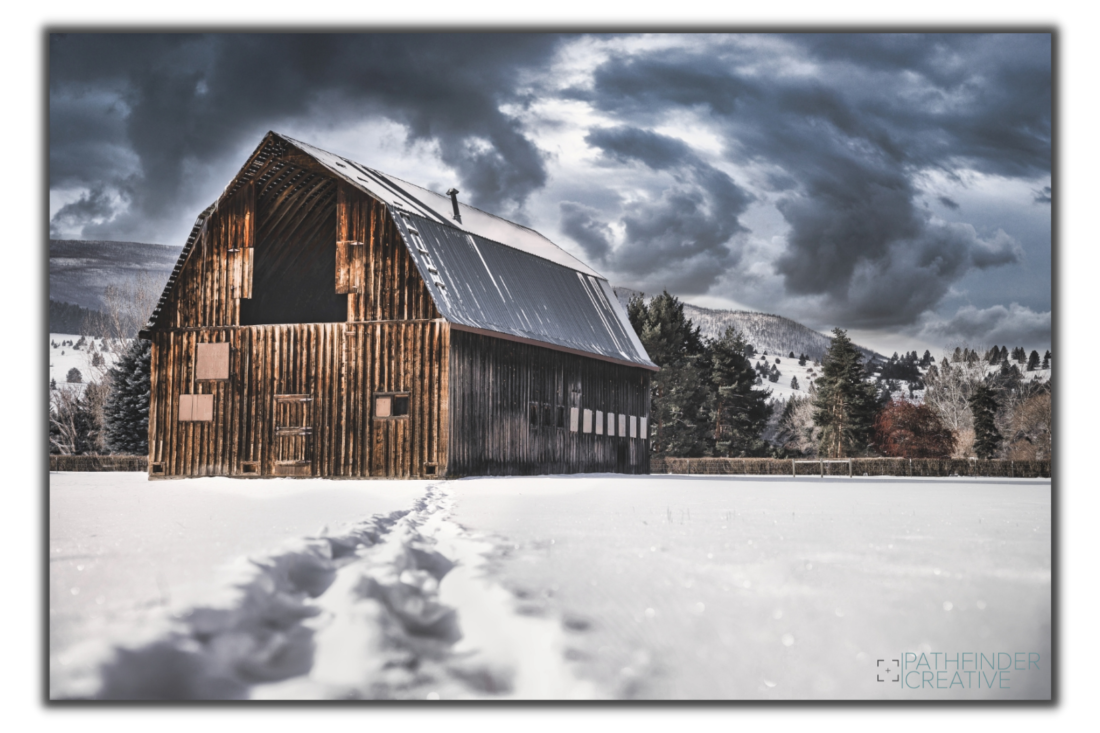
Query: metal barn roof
[[396, 192], [485, 274], [482, 285]]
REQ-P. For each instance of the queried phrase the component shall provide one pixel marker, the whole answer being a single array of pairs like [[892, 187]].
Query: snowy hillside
[[776, 334], [80, 271], [63, 356]]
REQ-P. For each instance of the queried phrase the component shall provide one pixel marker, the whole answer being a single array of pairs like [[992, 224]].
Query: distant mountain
[[80, 271], [775, 334]]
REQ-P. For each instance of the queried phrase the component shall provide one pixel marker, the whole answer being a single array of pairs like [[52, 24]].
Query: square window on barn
[[574, 419], [611, 424], [599, 422], [212, 361], [633, 426], [391, 405], [196, 408], [588, 421], [622, 426]]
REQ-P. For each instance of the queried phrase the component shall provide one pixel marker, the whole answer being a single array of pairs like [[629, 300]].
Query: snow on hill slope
[[80, 271], [64, 357], [775, 334]]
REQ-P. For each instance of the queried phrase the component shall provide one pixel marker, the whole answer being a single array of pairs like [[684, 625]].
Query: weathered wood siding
[[373, 265], [218, 273], [328, 374], [493, 383]]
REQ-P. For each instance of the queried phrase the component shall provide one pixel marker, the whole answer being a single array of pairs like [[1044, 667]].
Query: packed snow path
[[600, 586], [394, 607]]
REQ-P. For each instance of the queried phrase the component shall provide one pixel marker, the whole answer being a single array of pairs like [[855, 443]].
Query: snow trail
[[397, 606]]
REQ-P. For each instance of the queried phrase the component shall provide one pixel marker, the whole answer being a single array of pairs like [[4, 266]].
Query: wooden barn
[[326, 319]]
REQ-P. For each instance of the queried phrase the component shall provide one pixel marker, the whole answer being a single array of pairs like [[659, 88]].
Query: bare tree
[[1031, 427], [947, 389], [125, 311], [797, 431]]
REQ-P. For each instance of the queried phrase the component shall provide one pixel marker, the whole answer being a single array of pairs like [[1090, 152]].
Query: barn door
[[293, 455]]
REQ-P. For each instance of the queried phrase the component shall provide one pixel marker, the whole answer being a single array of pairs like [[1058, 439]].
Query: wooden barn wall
[[338, 366], [218, 273], [373, 264], [492, 383]]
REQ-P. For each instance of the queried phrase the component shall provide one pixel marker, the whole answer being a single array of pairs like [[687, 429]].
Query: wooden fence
[[99, 463], [860, 467]]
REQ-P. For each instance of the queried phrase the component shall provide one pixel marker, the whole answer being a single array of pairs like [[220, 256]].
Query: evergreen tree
[[845, 406], [53, 384], [679, 420], [794, 382], [1033, 361], [74, 376], [739, 413], [790, 355], [773, 375], [801, 360], [983, 406], [126, 410], [1046, 360], [97, 360]]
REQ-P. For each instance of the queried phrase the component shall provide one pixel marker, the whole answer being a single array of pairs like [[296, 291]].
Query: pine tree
[[1046, 360], [794, 382], [790, 355], [53, 384], [679, 418], [74, 376], [126, 411], [739, 413], [1033, 361], [773, 375], [845, 406], [801, 360], [983, 406]]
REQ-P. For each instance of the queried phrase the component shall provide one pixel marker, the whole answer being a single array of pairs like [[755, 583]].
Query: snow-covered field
[[550, 587]]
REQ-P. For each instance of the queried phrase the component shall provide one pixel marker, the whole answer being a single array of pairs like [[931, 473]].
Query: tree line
[[708, 399]]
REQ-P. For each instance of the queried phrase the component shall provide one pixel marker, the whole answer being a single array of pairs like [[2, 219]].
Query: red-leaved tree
[[905, 430]]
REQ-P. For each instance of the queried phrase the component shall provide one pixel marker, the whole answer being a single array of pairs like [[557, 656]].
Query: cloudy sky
[[898, 186]]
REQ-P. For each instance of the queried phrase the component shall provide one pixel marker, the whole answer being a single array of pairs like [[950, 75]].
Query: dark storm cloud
[[1042, 196], [178, 102], [949, 202], [95, 206], [1015, 324], [850, 138], [686, 236]]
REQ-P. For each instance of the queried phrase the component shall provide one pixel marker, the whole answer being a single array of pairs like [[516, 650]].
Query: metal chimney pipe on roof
[[453, 193]]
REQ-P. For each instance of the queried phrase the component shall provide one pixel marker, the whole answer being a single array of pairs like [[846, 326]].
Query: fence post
[[822, 464], [849, 468], [793, 473]]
